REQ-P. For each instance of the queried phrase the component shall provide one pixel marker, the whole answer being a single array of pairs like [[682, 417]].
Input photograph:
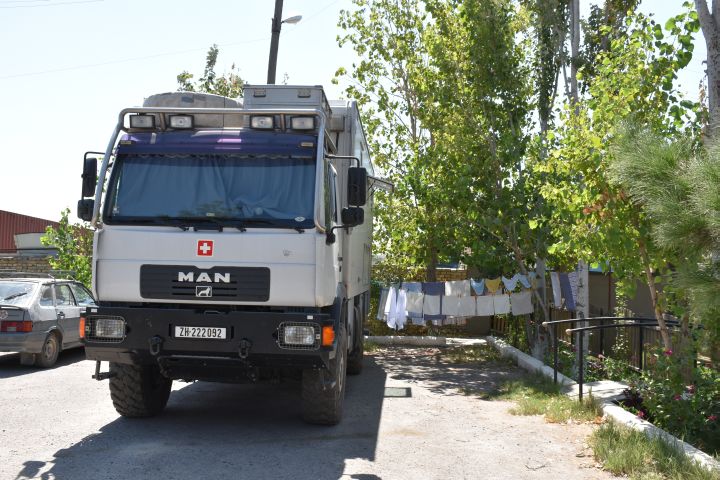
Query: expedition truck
[[232, 243]]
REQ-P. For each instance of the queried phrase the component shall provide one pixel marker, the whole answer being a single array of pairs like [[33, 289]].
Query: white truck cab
[[232, 243]]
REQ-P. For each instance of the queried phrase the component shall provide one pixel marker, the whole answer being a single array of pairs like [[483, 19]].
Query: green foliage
[[678, 185], [537, 395], [228, 85], [623, 451], [74, 246], [689, 410]]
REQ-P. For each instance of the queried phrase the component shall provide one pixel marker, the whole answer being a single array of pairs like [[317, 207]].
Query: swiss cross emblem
[[205, 248]]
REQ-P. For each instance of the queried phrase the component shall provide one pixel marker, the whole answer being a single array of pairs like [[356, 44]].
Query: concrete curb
[[526, 361], [401, 341], [617, 413]]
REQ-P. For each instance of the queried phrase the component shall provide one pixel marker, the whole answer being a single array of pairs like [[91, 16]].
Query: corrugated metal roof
[[14, 223]]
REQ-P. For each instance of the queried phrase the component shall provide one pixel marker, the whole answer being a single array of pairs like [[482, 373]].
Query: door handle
[[61, 314]]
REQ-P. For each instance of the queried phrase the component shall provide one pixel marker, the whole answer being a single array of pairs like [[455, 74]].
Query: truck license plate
[[200, 332]]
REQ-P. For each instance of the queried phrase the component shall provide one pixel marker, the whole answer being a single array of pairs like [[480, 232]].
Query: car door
[[68, 314]]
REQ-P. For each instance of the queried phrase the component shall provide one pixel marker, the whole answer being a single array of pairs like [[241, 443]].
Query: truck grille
[[181, 282]]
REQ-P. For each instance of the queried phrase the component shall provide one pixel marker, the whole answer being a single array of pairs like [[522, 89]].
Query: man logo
[[203, 291]]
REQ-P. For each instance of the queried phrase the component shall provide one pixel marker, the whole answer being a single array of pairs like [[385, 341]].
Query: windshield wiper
[[14, 295], [274, 223], [172, 222]]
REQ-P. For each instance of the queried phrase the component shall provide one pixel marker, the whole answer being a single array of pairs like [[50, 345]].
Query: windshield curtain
[[264, 187]]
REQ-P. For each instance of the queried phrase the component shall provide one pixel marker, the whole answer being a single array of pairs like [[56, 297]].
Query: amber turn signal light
[[328, 336]]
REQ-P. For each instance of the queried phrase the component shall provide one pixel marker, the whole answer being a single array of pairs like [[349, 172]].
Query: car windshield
[[257, 190], [16, 293]]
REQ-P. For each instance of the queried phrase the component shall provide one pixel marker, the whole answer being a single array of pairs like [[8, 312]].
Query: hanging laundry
[[524, 280], [390, 307], [459, 288], [461, 321], [450, 321], [412, 287], [417, 321], [381, 303], [466, 307], [567, 292], [415, 303], [521, 302], [450, 306], [501, 304], [574, 281], [433, 288], [493, 285], [400, 314], [478, 287], [510, 283], [431, 305], [557, 293], [485, 306]]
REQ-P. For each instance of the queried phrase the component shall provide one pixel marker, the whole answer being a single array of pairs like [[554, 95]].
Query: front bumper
[[251, 342]]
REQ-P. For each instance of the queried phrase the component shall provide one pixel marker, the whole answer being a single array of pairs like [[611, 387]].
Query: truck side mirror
[[352, 216], [89, 177], [357, 186], [85, 209]]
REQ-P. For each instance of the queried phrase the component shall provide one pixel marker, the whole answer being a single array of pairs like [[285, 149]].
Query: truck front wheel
[[323, 391], [138, 390]]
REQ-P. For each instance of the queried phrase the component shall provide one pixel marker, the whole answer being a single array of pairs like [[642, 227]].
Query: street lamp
[[276, 24]]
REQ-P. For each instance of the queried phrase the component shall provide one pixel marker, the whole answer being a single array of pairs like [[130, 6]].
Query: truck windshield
[[257, 190]]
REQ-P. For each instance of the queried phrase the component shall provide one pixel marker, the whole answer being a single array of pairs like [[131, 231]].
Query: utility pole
[[274, 40]]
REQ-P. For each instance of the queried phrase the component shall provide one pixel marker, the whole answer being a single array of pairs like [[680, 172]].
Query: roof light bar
[[142, 121], [262, 122], [302, 123], [181, 121]]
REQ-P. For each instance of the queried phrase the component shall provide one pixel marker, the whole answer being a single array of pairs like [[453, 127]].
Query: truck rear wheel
[[323, 391], [138, 390]]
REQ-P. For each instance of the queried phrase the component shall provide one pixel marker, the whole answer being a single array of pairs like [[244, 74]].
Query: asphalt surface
[[406, 417]]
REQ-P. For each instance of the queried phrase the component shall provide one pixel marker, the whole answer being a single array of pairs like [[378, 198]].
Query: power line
[[53, 4], [146, 57]]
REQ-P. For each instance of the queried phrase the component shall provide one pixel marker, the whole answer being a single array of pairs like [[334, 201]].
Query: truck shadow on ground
[[10, 363], [214, 430]]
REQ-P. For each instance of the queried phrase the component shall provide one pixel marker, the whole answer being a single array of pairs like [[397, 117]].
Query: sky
[[67, 68]]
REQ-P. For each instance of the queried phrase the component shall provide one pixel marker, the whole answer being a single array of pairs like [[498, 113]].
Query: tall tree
[[710, 24]]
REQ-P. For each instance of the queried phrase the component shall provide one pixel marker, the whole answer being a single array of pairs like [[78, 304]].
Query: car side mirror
[[357, 186], [352, 216], [85, 209], [89, 176]]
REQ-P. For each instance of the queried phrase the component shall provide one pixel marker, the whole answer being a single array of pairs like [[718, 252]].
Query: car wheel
[[49, 353]]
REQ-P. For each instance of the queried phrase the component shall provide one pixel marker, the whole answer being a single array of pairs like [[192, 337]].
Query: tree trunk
[[711, 32], [664, 333], [574, 49]]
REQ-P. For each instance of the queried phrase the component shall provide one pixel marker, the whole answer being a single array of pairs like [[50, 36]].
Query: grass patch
[[537, 395], [370, 347], [628, 452]]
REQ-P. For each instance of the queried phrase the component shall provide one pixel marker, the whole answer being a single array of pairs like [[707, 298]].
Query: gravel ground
[[406, 417]]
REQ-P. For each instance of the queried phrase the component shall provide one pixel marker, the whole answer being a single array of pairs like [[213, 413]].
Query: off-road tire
[[138, 390], [322, 404], [355, 358], [50, 351]]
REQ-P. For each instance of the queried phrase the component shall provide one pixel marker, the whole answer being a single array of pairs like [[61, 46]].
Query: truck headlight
[[299, 335], [105, 328]]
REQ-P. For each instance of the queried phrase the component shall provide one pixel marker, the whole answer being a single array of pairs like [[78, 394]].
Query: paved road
[[405, 418]]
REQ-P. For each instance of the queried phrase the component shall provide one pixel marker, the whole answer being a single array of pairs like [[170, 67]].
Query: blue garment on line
[[567, 293], [478, 287]]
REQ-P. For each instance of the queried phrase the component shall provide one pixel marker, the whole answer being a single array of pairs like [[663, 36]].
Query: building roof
[[12, 224]]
